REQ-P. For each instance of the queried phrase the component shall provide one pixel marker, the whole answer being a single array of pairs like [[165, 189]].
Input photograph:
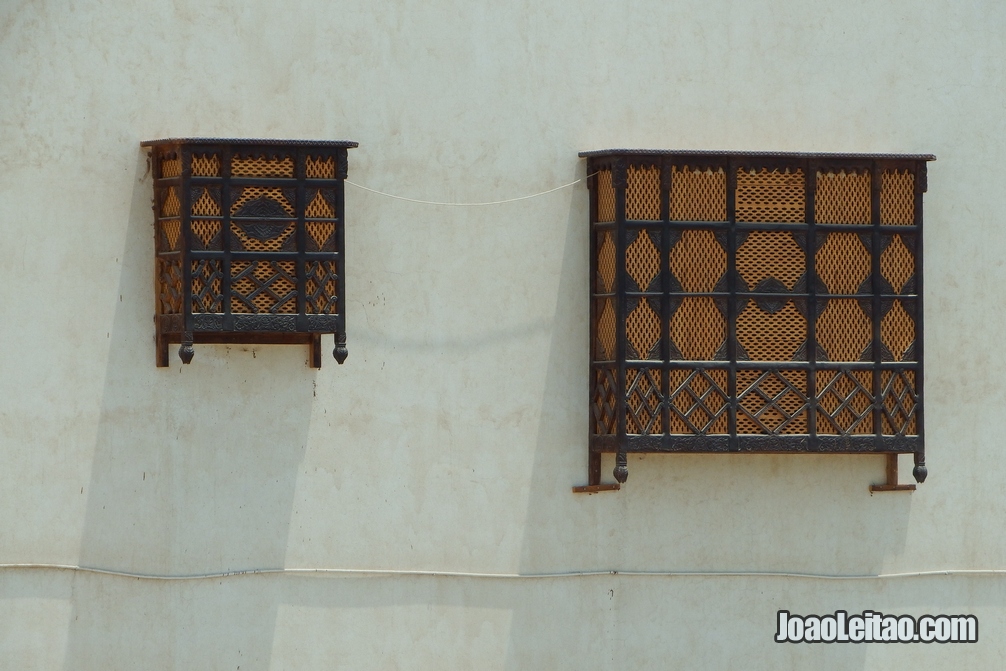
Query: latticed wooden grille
[[753, 302], [249, 242]]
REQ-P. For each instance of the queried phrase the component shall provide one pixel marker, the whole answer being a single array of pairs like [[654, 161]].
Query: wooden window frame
[[641, 402]]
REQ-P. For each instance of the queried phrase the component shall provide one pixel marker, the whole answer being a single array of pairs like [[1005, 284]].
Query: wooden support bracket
[[892, 478], [594, 489]]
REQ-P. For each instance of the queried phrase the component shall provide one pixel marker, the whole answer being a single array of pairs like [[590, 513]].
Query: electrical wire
[[491, 202], [505, 576]]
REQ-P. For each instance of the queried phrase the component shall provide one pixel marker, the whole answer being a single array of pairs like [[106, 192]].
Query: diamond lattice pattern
[[698, 401], [263, 287], [642, 260], [843, 263], [643, 400], [772, 401], [897, 264], [844, 402]]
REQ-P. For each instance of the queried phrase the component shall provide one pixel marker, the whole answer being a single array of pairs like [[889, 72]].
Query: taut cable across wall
[[391, 573], [479, 204]]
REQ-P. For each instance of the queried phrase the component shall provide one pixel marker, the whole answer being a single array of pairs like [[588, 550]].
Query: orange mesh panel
[[251, 193], [262, 167], [771, 337], [171, 167], [897, 198], [171, 207], [643, 397], [899, 405], [698, 402], [698, 329], [770, 254], [844, 402], [642, 195], [604, 403], [205, 165], [606, 330], [698, 195], [843, 263], [206, 232], [206, 205], [319, 208], [263, 286], [606, 264], [207, 276], [897, 331], [321, 233], [169, 287], [770, 196], [282, 238], [642, 329], [698, 261], [842, 198], [320, 287], [897, 264], [318, 168], [605, 196], [172, 231], [844, 331], [642, 260], [771, 402]]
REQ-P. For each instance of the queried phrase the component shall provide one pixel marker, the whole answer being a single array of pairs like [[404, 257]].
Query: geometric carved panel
[[606, 331], [770, 195], [605, 197], [698, 261], [698, 401], [842, 197], [642, 330], [771, 293], [845, 331], [604, 404], [248, 241], [698, 330], [897, 198], [698, 195], [897, 265], [771, 254], [263, 287], [772, 401], [642, 261], [642, 195], [900, 402], [778, 335], [644, 401], [845, 402], [897, 332], [606, 264], [843, 263], [207, 276]]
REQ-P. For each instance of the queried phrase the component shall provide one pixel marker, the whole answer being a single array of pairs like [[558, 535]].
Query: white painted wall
[[450, 439]]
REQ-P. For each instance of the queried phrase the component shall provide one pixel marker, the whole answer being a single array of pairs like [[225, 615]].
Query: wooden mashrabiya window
[[249, 243], [756, 302]]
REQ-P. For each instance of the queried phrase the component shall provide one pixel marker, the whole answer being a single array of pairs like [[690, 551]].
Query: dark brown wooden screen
[[750, 302], [249, 241]]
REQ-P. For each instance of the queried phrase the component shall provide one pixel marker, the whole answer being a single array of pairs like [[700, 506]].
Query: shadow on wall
[[194, 469], [788, 513]]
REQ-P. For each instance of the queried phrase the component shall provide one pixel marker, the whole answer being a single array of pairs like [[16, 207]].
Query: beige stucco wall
[[451, 437]]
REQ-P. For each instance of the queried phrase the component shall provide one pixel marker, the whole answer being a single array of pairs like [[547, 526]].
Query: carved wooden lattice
[[768, 302], [249, 241]]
